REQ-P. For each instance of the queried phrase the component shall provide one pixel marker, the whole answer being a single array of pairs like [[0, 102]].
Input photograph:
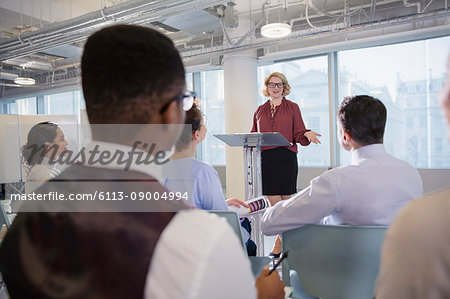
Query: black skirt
[[279, 169]]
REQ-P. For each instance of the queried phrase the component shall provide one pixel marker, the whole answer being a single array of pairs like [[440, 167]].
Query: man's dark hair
[[364, 118], [124, 70], [194, 119]]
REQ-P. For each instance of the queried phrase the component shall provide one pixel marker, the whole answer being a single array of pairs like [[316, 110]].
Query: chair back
[[334, 261]]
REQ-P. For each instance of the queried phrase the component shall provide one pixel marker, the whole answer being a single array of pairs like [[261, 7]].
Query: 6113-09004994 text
[[105, 196]]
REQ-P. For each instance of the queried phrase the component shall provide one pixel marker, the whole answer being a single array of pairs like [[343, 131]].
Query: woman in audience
[[199, 180], [184, 173], [45, 143]]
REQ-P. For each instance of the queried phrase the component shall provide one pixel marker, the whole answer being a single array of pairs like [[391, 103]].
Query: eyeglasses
[[272, 85], [187, 97]]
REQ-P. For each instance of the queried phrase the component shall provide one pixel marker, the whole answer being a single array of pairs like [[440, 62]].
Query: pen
[[283, 256]]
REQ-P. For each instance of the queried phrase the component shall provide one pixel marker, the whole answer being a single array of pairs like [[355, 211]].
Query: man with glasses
[[131, 76], [187, 97]]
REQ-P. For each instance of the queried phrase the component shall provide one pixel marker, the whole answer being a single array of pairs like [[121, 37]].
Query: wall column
[[241, 99]]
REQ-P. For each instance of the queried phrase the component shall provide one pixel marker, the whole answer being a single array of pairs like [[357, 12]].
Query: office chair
[[334, 261], [257, 262]]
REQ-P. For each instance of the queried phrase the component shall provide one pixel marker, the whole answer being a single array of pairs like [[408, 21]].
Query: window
[[64, 103], [423, 121], [55, 103], [409, 122], [409, 103], [212, 102], [437, 144], [313, 122], [397, 75], [314, 94], [308, 78], [23, 106], [189, 82]]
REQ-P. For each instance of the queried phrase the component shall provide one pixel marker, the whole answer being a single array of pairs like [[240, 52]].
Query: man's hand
[[236, 203], [269, 286]]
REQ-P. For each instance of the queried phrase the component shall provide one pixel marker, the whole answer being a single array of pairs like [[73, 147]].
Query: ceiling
[[43, 39]]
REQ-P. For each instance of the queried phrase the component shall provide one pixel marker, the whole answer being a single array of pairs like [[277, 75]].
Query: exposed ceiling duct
[[31, 63], [8, 76], [65, 51], [194, 22], [77, 29], [334, 30]]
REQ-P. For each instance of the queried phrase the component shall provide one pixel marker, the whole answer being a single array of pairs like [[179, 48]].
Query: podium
[[251, 143]]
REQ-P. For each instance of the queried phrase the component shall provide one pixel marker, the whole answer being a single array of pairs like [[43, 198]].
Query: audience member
[[184, 173], [415, 258], [370, 191], [45, 143], [198, 179]]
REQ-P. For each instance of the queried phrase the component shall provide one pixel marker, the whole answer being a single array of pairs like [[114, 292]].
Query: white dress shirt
[[370, 191], [197, 256]]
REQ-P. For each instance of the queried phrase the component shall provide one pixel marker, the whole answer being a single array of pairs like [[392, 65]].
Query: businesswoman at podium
[[279, 164]]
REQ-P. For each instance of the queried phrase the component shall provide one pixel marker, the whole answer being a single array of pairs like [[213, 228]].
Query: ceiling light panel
[[276, 30]]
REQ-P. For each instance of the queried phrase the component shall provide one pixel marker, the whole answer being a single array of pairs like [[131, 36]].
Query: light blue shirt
[[370, 191], [200, 180]]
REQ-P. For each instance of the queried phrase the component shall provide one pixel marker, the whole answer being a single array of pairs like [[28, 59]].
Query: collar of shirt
[[282, 101], [367, 151], [150, 169], [46, 161]]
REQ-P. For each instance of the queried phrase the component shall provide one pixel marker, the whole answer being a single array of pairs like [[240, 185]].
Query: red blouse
[[287, 120]]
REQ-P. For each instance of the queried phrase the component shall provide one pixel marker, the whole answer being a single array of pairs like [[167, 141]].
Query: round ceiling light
[[24, 81], [275, 30]]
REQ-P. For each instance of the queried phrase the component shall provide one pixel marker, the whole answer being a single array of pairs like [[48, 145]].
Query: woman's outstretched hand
[[312, 137]]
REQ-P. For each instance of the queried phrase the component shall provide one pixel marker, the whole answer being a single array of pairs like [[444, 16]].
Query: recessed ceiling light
[[275, 30], [24, 81]]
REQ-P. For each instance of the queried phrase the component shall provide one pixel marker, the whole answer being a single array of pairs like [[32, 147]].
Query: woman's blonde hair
[[286, 86]]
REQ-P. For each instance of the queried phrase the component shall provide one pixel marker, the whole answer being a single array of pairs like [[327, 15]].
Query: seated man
[[370, 191], [130, 75], [415, 259]]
